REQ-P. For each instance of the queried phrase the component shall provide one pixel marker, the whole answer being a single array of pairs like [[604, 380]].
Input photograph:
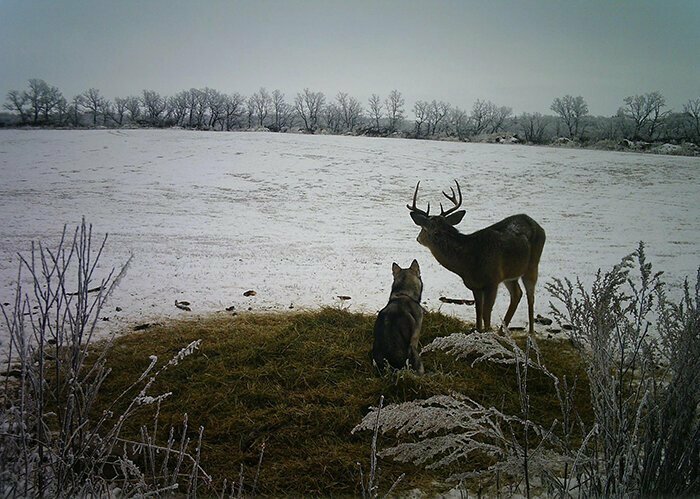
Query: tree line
[[640, 117]]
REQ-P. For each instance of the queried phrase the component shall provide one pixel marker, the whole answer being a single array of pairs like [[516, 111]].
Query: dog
[[398, 325]]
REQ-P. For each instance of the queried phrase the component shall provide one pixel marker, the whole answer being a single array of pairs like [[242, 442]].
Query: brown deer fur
[[504, 252]]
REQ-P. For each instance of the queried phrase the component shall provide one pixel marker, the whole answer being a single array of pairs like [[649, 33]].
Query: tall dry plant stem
[[53, 441]]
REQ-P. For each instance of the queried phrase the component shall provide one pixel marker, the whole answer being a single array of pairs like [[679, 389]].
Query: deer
[[504, 252]]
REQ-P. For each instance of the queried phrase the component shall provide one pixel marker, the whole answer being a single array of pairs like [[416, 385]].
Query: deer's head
[[433, 227]]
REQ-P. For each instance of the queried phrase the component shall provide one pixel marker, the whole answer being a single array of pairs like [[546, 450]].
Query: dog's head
[[407, 281]]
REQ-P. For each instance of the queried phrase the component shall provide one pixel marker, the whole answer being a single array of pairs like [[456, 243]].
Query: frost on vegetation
[[642, 353], [643, 361], [446, 429], [49, 443], [484, 347]]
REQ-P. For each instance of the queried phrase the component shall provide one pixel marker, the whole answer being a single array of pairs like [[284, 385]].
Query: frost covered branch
[[51, 443]]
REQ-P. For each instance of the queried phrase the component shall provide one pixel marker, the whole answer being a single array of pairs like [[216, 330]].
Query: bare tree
[[375, 109], [33, 97], [155, 106], [481, 116], [74, 111], [421, 109], [308, 106], [572, 111], [458, 123], [279, 110], [16, 101], [644, 112], [437, 112], [177, 107], [133, 106], [62, 111], [499, 117], [533, 127], [233, 110], [216, 105], [394, 108], [333, 117], [91, 101], [119, 110], [49, 99], [106, 111], [350, 110], [692, 111], [261, 102]]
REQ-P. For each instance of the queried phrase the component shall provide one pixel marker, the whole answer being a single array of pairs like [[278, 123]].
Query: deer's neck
[[452, 250]]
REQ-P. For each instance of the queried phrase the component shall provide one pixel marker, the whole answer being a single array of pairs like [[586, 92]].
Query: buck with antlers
[[501, 253]]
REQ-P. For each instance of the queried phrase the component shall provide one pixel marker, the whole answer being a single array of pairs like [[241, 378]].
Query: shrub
[[53, 441], [642, 356]]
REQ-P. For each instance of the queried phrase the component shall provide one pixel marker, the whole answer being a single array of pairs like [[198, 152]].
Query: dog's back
[[397, 328]]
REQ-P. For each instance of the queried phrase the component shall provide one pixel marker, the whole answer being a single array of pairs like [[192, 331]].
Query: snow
[[302, 219]]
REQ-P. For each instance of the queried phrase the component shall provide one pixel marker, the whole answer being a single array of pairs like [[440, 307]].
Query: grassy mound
[[299, 382]]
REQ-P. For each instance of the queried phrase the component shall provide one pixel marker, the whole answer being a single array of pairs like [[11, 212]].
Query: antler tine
[[457, 202], [414, 208]]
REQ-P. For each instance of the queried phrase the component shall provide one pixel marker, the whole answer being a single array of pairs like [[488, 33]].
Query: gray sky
[[520, 54]]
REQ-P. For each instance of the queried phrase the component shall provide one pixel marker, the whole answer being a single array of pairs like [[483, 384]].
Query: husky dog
[[397, 327]]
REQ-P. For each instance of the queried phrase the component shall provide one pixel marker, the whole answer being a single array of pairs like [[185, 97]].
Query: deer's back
[[505, 250]]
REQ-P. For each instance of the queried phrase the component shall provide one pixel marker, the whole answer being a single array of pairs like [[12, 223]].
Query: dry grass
[[299, 382]]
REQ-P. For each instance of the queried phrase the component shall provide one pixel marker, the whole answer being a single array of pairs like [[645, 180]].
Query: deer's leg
[[479, 305], [529, 283], [489, 300], [515, 294]]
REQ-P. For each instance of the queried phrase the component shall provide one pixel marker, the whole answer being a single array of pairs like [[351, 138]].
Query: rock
[[119, 309], [183, 305], [456, 301], [344, 298], [626, 143], [231, 308], [543, 320], [13, 373], [250, 292], [668, 149], [142, 327]]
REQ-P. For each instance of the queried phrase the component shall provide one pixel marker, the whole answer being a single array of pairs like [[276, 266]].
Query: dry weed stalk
[[643, 361], [51, 441]]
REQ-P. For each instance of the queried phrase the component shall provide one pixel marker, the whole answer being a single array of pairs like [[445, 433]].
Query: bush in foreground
[[642, 357]]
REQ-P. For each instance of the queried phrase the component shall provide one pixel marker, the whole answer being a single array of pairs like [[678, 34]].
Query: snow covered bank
[[303, 219]]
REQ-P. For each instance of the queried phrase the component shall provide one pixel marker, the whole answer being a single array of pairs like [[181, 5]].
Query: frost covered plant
[[486, 347], [446, 429], [643, 363], [51, 441], [642, 354]]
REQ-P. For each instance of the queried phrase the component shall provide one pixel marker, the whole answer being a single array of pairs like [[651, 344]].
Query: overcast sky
[[520, 54]]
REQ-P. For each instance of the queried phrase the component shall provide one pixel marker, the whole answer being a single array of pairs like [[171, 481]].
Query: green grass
[[300, 382]]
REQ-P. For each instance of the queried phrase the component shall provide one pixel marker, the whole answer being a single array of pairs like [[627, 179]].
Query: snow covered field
[[303, 219]]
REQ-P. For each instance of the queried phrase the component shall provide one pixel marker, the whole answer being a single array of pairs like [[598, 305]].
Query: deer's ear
[[456, 217], [419, 218], [395, 269]]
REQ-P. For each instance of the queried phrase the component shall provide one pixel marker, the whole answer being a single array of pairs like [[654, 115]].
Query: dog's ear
[[415, 267], [395, 269]]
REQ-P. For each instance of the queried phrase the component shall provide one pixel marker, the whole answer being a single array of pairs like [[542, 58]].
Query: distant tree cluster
[[640, 118]]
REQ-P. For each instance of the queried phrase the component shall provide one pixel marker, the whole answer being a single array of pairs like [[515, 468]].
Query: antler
[[453, 198], [413, 208]]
